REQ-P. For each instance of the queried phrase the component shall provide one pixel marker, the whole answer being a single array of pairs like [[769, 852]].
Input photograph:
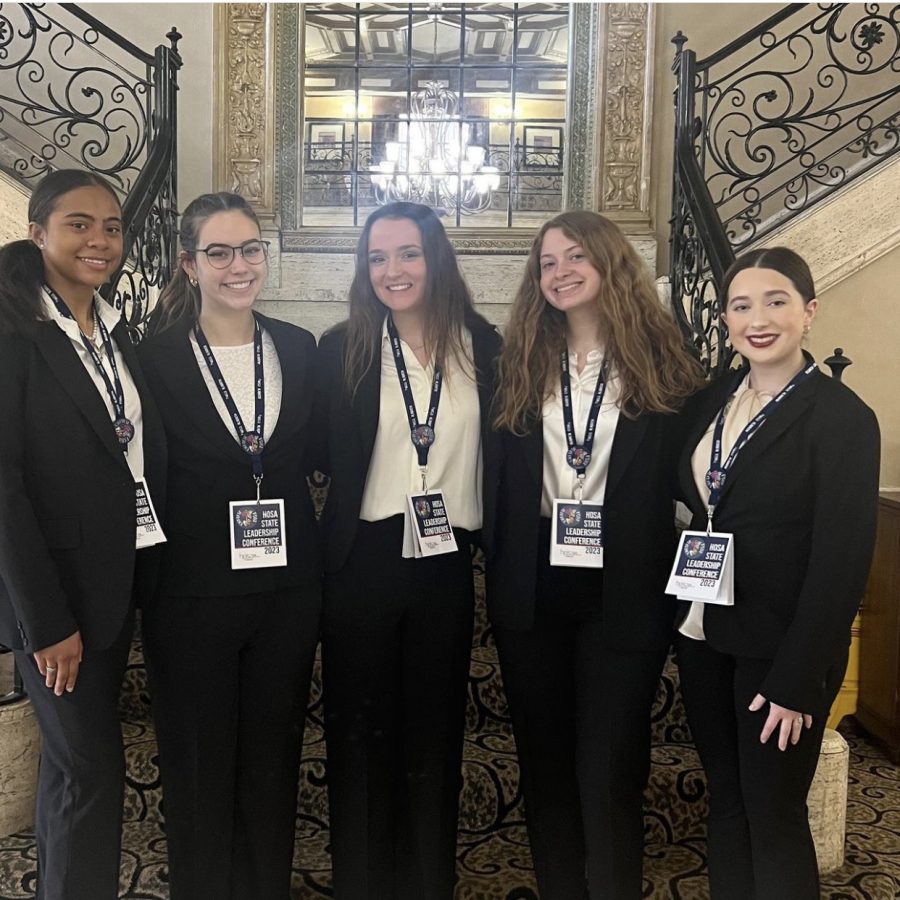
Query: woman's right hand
[[59, 663]]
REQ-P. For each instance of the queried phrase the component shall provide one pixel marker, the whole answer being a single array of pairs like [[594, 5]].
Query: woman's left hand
[[789, 722]]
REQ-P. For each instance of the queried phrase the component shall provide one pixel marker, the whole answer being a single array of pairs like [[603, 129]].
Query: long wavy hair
[[22, 271], [448, 301], [179, 297], [642, 342]]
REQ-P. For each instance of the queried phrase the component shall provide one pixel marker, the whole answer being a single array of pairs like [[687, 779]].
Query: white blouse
[[742, 407], [238, 370], [559, 478], [455, 457]]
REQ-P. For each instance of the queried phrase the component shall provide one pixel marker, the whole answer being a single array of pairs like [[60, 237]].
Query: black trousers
[[396, 642], [81, 781], [759, 846], [581, 719], [230, 684]]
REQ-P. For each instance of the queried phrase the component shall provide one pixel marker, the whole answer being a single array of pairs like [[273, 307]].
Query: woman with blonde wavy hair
[[579, 533]]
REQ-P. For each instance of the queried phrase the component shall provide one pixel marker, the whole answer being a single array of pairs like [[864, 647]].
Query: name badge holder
[[149, 531], [426, 522], [704, 562], [576, 537], [256, 527]]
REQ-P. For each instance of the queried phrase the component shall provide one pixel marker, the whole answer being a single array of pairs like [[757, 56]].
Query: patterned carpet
[[493, 856]]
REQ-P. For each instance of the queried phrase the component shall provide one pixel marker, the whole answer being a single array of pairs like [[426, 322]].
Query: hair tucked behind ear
[[642, 342], [21, 262], [180, 298]]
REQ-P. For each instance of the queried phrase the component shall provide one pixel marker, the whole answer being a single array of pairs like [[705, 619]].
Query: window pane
[[436, 38], [330, 37], [479, 138], [383, 39]]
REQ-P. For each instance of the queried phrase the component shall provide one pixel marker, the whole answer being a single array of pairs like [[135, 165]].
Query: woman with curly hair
[[579, 532]]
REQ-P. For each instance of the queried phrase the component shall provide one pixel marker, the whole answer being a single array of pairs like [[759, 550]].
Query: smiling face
[[397, 268], [81, 241], [767, 318], [234, 288], [568, 280]]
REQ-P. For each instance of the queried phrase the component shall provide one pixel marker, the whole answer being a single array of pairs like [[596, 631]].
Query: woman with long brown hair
[[579, 530], [231, 635], [405, 400]]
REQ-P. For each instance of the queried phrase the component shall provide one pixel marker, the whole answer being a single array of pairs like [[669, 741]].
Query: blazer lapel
[[63, 360], [627, 439], [185, 381], [293, 376], [785, 414]]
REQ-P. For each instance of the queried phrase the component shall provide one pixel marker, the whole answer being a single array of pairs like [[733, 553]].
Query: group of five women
[[559, 452]]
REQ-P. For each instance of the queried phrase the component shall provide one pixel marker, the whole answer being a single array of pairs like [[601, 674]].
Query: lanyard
[[251, 442], [717, 472], [578, 456], [421, 435], [121, 424]]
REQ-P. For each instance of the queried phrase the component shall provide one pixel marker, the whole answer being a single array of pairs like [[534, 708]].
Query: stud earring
[[807, 328], [193, 282]]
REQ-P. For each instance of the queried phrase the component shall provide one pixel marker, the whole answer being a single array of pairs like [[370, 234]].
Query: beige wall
[[862, 315], [146, 24]]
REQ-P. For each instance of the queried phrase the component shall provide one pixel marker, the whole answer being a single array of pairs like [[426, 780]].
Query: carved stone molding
[[623, 170], [244, 103]]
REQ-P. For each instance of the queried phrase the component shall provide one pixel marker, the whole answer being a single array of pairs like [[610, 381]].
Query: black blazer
[[801, 501], [639, 531], [348, 427], [207, 468], [67, 504]]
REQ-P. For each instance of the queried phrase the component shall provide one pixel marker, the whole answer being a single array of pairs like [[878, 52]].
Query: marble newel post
[[19, 750]]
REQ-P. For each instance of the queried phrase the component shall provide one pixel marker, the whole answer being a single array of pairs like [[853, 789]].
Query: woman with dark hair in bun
[[781, 462], [80, 448]]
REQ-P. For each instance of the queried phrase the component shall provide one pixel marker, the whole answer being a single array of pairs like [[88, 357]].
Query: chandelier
[[433, 162]]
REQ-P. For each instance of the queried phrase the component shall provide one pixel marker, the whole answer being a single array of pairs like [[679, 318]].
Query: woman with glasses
[[231, 635]]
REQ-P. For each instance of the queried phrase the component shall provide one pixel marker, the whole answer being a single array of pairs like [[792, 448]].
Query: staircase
[[769, 130], [74, 94]]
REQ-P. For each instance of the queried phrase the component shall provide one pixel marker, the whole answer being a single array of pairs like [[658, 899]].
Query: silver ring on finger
[[50, 668], [799, 720]]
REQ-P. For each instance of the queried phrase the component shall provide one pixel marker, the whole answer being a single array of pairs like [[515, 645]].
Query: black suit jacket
[[347, 429], [207, 468], [67, 504], [639, 531], [801, 501]]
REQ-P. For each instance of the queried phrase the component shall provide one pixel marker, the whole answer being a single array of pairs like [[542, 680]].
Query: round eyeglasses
[[221, 255]]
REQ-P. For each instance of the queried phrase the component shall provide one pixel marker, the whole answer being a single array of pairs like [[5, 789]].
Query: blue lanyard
[[251, 442], [421, 435], [717, 472], [578, 456], [121, 424]]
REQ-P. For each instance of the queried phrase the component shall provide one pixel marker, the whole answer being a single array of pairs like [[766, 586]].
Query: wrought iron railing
[[73, 93], [775, 122]]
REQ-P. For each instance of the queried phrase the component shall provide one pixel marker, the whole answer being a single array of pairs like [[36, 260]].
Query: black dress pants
[[581, 719], [230, 684], [81, 781], [759, 846], [396, 643]]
